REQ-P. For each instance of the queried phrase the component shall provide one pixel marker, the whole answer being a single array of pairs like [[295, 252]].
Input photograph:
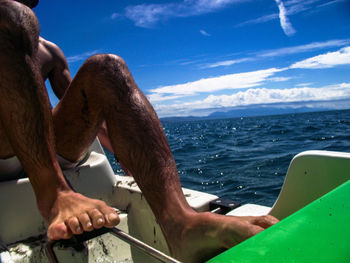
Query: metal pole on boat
[[162, 257], [143, 246]]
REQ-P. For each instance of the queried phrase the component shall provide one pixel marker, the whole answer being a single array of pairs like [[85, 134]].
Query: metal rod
[[50, 253], [142, 246], [162, 257]]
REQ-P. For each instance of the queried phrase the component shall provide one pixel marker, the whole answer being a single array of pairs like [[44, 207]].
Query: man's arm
[[58, 70]]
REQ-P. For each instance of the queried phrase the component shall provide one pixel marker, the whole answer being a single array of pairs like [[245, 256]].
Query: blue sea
[[246, 159]]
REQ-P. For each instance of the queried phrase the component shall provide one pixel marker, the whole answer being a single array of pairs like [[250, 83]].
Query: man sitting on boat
[[46, 141]]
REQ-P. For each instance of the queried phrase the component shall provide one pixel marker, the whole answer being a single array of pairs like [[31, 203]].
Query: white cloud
[[264, 95], [328, 60], [146, 15], [281, 52], [284, 21], [297, 6], [304, 84], [256, 96], [204, 33], [279, 79], [292, 7], [248, 80], [226, 63], [331, 3], [259, 20], [252, 79], [304, 48], [158, 97], [225, 82], [81, 57]]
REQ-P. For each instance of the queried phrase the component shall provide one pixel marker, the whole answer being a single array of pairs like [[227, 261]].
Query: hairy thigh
[[79, 114], [19, 32]]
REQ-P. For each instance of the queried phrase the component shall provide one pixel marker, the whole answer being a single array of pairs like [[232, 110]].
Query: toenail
[[112, 217], [78, 229], [88, 224], [100, 221]]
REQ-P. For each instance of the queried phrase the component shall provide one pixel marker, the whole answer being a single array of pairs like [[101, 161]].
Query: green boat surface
[[319, 232]]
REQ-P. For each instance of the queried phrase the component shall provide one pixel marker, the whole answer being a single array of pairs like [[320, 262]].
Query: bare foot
[[73, 213], [205, 235]]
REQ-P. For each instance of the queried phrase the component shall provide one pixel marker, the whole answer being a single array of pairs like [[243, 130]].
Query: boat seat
[[311, 174]]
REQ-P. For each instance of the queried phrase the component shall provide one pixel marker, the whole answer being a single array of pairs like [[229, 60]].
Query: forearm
[[60, 82]]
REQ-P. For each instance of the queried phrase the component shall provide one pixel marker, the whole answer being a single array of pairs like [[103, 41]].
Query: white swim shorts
[[11, 168]]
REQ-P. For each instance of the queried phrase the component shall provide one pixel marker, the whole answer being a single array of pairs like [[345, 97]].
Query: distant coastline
[[260, 110]]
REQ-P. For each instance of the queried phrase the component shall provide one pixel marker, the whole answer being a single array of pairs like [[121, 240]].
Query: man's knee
[[106, 63], [111, 70], [19, 28]]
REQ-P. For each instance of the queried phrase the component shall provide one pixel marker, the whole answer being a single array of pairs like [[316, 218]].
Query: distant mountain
[[187, 118], [257, 110], [261, 111]]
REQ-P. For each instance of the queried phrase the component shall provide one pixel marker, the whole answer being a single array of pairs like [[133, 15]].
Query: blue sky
[[194, 57]]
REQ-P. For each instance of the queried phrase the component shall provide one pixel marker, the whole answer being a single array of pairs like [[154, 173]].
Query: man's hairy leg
[[104, 89], [27, 129]]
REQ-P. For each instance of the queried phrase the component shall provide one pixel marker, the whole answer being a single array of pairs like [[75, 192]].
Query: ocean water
[[246, 159]]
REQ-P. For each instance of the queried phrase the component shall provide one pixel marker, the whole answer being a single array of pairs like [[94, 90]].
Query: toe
[[58, 231], [97, 218], [112, 218], [273, 220], [265, 221], [85, 222], [74, 225]]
